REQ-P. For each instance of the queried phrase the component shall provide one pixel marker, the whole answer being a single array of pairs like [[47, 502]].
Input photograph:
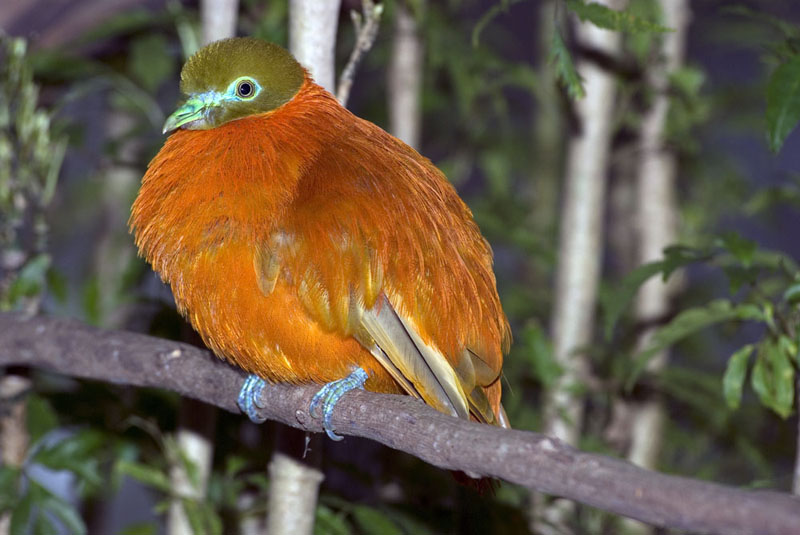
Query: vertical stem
[[312, 37], [405, 76]]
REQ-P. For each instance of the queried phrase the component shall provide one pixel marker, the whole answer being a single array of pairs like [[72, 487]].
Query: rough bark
[[312, 37], [405, 76], [400, 422]]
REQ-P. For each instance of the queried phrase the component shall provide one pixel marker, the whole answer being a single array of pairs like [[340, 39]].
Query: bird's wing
[[382, 249]]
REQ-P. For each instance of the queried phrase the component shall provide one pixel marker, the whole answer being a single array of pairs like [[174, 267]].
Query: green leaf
[[792, 294], [143, 528], [149, 61], [31, 278], [202, 518], [611, 19], [329, 522], [566, 73], [689, 322], [66, 513], [741, 248], [76, 453], [783, 102], [21, 515], [788, 346], [615, 302], [489, 16], [373, 522], [148, 475], [9, 493], [539, 352], [773, 378], [41, 417], [734, 376]]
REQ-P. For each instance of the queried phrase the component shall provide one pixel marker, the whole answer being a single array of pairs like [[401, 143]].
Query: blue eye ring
[[246, 88]]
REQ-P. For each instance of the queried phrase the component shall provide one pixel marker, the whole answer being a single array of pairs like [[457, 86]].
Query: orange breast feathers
[[304, 242]]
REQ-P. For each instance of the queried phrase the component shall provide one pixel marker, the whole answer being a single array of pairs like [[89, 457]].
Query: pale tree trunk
[[197, 421], [219, 19], [312, 37], [292, 505], [580, 250], [405, 76], [656, 221]]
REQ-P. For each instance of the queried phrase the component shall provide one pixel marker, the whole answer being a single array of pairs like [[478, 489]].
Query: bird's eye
[[245, 89]]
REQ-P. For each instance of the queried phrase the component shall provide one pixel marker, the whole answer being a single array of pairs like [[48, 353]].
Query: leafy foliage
[[612, 19]]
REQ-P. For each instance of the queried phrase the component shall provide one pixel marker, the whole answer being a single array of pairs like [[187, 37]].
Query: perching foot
[[250, 397], [331, 393]]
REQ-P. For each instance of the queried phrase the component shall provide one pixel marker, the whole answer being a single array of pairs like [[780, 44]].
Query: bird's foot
[[249, 400], [331, 393]]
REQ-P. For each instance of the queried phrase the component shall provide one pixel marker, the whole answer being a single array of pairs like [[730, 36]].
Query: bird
[[307, 245]]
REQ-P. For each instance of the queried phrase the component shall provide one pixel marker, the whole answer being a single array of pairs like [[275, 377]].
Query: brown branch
[[529, 459], [366, 32]]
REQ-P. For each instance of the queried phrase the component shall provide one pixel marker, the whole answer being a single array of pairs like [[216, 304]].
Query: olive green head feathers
[[235, 78]]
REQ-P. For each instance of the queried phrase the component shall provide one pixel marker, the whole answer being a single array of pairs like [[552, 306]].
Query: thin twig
[[366, 32], [400, 422]]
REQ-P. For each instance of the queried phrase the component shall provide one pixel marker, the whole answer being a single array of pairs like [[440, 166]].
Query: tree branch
[[366, 32], [400, 422]]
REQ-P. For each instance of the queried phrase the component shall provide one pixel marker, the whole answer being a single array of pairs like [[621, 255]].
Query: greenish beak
[[195, 109]]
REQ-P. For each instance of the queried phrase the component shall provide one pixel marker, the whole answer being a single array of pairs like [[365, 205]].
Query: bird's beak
[[193, 110]]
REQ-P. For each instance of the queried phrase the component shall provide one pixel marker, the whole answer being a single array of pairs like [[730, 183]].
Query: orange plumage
[[285, 235]]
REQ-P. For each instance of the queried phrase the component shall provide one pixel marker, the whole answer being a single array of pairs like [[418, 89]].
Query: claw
[[331, 393], [249, 400]]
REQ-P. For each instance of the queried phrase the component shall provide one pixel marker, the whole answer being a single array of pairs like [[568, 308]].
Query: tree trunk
[[312, 38], [580, 249], [219, 19], [656, 221], [405, 76]]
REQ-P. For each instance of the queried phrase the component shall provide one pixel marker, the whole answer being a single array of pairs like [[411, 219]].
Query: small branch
[[366, 32], [400, 422]]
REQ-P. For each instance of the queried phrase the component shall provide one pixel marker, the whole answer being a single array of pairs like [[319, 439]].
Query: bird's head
[[234, 78]]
